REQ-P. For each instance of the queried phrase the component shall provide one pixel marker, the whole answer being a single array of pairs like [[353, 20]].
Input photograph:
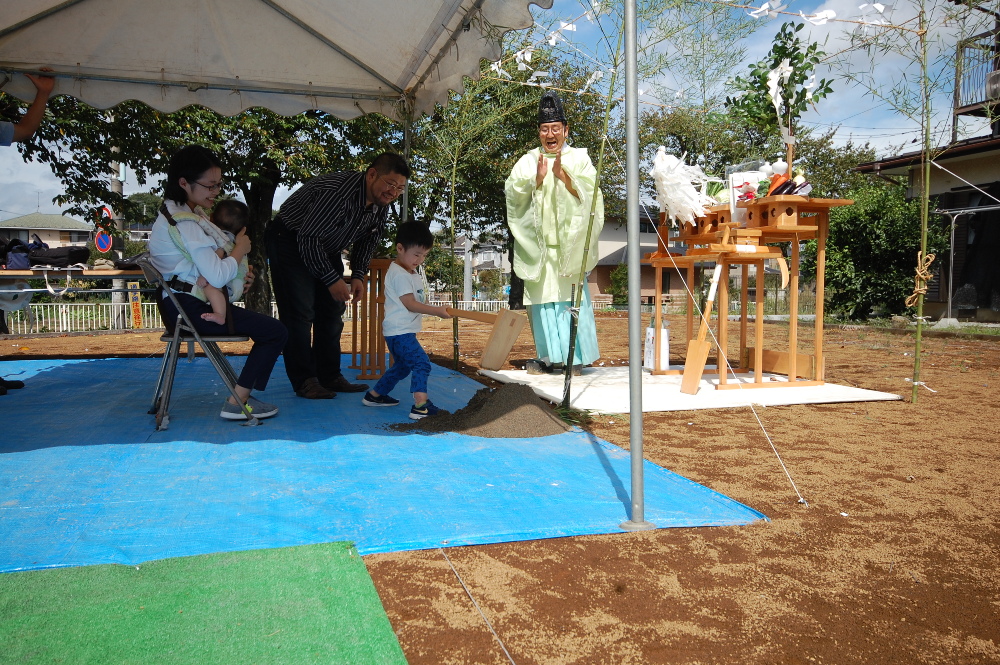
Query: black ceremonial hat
[[550, 109]]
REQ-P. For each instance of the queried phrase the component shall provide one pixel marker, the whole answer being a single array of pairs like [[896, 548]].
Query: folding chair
[[185, 332]]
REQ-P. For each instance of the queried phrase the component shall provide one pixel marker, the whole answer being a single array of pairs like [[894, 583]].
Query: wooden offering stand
[[714, 238]]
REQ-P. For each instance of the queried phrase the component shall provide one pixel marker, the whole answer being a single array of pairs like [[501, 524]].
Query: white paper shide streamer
[[678, 187], [780, 73]]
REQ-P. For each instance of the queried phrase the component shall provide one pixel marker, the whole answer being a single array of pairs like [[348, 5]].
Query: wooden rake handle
[[484, 317], [707, 314]]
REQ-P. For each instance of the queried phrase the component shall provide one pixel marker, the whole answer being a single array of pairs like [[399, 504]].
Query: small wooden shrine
[[716, 239]]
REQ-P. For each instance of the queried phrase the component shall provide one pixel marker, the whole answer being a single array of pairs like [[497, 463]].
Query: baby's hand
[[202, 282]]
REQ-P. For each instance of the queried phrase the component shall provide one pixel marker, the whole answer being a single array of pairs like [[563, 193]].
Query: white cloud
[[27, 186]]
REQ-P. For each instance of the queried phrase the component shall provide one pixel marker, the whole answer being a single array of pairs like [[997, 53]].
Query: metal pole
[[951, 263], [467, 274], [118, 297], [638, 519]]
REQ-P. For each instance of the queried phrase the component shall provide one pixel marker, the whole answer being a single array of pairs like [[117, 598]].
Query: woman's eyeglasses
[[212, 188]]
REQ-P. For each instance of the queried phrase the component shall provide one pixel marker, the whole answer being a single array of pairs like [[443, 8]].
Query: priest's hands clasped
[[557, 172]]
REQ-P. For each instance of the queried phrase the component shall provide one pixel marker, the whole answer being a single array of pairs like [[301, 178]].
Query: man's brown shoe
[[311, 389], [342, 385]]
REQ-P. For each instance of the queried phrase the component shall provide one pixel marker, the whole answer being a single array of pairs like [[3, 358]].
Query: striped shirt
[[330, 213]]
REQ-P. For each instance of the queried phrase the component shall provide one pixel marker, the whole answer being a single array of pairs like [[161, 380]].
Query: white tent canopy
[[345, 57]]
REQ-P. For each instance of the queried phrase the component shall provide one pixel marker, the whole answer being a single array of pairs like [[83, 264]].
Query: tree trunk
[[260, 199]]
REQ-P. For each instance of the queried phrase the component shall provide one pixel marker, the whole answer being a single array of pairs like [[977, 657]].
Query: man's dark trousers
[[313, 318]]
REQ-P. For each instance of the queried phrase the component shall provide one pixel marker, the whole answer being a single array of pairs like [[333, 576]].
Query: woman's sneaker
[[428, 409], [378, 400], [256, 408]]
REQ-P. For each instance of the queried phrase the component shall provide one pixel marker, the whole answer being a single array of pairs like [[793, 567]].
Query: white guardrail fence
[[85, 317]]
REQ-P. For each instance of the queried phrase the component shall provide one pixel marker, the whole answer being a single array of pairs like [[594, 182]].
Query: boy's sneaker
[[256, 408], [378, 400], [428, 409]]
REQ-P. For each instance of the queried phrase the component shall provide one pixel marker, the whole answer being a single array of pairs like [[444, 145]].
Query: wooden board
[[507, 325], [800, 383], [776, 362], [697, 354], [505, 331], [694, 365]]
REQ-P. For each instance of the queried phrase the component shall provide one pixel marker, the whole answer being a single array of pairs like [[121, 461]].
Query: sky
[[856, 115]]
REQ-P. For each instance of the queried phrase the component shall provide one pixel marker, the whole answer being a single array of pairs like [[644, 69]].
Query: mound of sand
[[511, 411]]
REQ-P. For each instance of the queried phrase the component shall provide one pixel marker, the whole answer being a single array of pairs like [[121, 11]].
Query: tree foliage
[[489, 283], [619, 284], [830, 168], [464, 152], [260, 150], [483, 131], [143, 212], [871, 250], [753, 102], [443, 270]]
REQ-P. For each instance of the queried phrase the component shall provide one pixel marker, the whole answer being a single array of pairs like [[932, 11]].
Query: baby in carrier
[[230, 216]]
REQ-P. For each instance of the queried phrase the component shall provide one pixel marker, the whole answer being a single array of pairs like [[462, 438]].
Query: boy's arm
[[417, 307]]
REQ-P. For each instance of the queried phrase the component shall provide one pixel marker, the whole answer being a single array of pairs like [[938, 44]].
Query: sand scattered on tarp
[[512, 411]]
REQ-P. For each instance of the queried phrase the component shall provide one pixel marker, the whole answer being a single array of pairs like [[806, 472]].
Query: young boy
[[231, 216], [404, 309]]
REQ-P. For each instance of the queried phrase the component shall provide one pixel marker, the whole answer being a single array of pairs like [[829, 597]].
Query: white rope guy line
[[729, 367], [469, 593]]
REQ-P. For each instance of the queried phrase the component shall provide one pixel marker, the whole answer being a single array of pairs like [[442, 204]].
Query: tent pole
[[637, 521]]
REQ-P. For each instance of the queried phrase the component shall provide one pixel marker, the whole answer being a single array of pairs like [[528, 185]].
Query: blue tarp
[[85, 478]]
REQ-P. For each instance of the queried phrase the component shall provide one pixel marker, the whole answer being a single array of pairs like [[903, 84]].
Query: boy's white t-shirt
[[398, 282]]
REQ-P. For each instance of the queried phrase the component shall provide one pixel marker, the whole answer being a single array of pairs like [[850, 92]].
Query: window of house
[[20, 234]]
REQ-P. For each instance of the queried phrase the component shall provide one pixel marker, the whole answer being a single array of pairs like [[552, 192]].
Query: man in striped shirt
[[304, 245]]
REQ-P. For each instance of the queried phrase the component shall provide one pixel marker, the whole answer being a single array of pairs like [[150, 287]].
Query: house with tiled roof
[[53, 230]]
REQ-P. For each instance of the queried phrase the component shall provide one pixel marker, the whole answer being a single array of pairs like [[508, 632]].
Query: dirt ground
[[894, 558]]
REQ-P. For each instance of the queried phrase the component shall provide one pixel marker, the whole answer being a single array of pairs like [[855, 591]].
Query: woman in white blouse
[[181, 250]]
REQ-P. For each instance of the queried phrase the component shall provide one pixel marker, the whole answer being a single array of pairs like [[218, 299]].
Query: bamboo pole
[[581, 282], [925, 187]]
